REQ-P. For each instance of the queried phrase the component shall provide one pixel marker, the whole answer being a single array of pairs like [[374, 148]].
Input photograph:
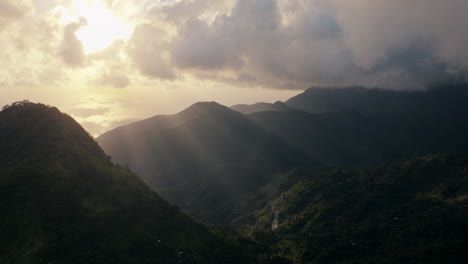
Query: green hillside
[[411, 211], [63, 201]]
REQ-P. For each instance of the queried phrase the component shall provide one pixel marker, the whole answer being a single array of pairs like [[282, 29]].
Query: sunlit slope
[[63, 201], [411, 211], [204, 158]]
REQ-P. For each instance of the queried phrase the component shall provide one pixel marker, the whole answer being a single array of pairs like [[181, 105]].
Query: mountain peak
[[38, 130], [204, 108], [27, 106]]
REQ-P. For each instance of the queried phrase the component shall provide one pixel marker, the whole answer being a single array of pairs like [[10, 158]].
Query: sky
[[111, 62]]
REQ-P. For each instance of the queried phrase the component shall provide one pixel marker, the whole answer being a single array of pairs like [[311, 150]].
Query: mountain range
[[351, 175], [204, 158], [223, 156]]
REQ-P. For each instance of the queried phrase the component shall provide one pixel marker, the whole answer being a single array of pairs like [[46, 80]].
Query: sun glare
[[101, 27]]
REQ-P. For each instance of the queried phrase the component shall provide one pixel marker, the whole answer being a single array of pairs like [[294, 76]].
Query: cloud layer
[[290, 44], [295, 44]]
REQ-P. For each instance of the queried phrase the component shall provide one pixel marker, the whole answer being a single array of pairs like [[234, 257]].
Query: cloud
[[115, 72], [275, 44], [250, 40], [374, 29], [202, 46], [72, 48], [295, 44], [114, 78], [28, 57], [10, 10], [148, 48]]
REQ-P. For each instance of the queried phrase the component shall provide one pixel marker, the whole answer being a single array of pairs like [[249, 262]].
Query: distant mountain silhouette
[[358, 126], [63, 201], [260, 107], [203, 158], [381, 102], [412, 211]]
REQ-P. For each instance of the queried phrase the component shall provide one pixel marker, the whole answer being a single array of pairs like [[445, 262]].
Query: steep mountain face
[[411, 211], [204, 158], [63, 201], [260, 107]]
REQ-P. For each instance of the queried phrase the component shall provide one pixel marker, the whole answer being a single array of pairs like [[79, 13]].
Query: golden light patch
[[100, 26]]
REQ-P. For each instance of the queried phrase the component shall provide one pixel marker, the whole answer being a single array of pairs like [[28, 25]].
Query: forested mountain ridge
[[63, 201], [411, 211], [205, 158]]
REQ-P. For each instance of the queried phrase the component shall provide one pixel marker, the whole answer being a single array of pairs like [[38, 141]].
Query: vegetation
[[63, 201], [411, 211]]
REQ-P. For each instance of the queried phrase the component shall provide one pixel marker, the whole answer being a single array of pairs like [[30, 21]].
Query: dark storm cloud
[[296, 44]]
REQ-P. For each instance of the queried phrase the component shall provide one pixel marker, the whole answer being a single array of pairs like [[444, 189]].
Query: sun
[[102, 27]]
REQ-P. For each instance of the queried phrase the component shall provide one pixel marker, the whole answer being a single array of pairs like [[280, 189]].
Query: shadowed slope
[[358, 126], [63, 201]]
